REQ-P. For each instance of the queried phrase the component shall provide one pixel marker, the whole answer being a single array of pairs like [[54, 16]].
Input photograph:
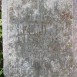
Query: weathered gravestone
[[39, 38]]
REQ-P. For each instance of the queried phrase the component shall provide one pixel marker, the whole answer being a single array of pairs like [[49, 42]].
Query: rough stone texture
[[38, 38]]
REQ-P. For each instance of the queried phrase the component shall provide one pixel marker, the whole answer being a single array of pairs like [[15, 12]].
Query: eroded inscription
[[40, 38]]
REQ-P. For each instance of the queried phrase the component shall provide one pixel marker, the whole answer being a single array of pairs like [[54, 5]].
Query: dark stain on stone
[[66, 15], [37, 68], [24, 1]]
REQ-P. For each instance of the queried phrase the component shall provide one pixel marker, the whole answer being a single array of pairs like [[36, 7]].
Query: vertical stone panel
[[38, 38]]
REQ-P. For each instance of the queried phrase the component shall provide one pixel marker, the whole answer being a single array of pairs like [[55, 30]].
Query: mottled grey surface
[[38, 38]]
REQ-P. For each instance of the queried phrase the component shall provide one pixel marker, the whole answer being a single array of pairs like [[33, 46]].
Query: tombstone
[[39, 38]]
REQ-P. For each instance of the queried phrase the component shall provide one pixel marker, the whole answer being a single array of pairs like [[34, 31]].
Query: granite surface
[[39, 38]]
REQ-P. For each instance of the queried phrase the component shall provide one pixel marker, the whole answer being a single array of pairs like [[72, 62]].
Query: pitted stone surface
[[39, 40]]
